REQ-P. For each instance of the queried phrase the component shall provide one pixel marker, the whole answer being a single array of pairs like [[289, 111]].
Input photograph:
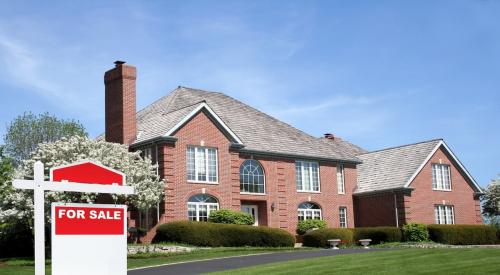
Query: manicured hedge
[[462, 234], [215, 234], [230, 217], [320, 237], [378, 234], [307, 225]]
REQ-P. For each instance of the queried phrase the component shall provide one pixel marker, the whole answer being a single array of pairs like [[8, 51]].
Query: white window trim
[[312, 213], [341, 185], [197, 205], [440, 211], [264, 177], [435, 176], [310, 177], [345, 217], [206, 165]]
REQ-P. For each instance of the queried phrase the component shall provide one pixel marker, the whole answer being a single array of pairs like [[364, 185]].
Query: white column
[[39, 219]]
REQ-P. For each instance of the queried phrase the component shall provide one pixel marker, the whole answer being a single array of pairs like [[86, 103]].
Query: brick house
[[216, 152]]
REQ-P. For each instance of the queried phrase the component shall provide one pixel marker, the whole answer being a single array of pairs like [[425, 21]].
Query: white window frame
[[438, 180], [197, 207], [340, 179], [196, 167], [309, 212], [302, 162], [444, 214], [263, 179], [343, 224]]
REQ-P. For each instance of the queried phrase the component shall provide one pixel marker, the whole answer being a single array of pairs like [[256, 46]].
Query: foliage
[[307, 225], [140, 174], [491, 201], [463, 234], [15, 240], [26, 131], [415, 232], [320, 237], [6, 171], [216, 234], [230, 217], [379, 234]]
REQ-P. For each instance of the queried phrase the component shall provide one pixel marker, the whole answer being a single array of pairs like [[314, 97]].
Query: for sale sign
[[89, 239]]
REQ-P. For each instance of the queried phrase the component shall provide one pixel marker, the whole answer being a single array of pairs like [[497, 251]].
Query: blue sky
[[377, 73]]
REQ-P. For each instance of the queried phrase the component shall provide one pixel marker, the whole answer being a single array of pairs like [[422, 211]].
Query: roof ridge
[[400, 146]]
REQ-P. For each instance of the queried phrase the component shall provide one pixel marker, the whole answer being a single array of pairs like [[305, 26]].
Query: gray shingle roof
[[393, 167], [257, 130]]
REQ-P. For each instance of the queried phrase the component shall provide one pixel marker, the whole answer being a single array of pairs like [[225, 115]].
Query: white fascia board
[[453, 157], [212, 113]]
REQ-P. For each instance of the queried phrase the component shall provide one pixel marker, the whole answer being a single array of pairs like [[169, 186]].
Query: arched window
[[309, 211], [200, 206], [252, 178]]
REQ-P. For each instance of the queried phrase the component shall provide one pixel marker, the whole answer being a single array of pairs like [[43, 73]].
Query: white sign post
[[98, 182]]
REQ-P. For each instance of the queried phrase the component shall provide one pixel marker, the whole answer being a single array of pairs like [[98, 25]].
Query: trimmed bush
[[415, 232], [16, 240], [216, 234], [230, 217], [306, 225], [463, 234], [379, 234], [320, 237]]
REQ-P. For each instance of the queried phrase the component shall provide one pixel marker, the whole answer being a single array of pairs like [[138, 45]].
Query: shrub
[[415, 232], [378, 234], [16, 240], [320, 237], [463, 234], [306, 225], [215, 234], [230, 217]]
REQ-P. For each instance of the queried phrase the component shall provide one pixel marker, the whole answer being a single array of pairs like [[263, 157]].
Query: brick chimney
[[121, 124]]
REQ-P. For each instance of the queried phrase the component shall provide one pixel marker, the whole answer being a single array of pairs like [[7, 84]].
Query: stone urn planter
[[334, 242], [365, 243]]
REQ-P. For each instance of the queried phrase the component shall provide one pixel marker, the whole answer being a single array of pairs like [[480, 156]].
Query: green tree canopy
[[26, 131], [491, 201]]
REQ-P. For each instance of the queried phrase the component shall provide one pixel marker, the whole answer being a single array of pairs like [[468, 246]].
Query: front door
[[252, 210]]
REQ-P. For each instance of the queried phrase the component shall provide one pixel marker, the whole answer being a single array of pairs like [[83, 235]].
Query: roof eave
[[298, 156], [405, 190], [155, 140]]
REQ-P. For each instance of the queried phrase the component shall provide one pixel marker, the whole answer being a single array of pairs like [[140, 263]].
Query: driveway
[[205, 266]]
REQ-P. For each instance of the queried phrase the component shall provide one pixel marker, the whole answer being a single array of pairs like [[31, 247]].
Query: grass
[[405, 261], [18, 266]]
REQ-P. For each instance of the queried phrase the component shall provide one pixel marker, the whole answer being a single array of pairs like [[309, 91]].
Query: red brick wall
[[378, 209], [280, 181], [419, 207], [120, 101]]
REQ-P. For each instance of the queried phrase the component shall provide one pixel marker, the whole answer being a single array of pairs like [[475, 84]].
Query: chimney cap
[[329, 136], [119, 62]]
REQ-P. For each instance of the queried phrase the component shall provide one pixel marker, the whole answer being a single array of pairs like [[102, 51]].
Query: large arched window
[[252, 178], [200, 206], [309, 211]]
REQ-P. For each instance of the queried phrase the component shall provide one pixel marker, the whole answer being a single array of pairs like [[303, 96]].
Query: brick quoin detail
[[378, 209], [280, 181]]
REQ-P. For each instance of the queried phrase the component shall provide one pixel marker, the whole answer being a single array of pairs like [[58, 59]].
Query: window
[[201, 164], [444, 214], [340, 179], [200, 206], [146, 153], [343, 216], [307, 176], [441, 177], [309, 211], [252, 177]]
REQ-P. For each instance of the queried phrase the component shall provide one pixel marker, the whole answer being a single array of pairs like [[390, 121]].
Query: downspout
[[396, 209], [157, 173]]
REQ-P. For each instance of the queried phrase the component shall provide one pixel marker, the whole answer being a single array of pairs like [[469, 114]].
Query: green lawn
[[405, 261], [26, 266]]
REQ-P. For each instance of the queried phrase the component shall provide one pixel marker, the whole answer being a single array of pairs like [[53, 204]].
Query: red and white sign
[[72, 220], [87, 172], [89, 239]]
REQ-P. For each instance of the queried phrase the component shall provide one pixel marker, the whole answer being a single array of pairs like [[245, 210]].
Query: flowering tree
[[491, 201], [140, 174]]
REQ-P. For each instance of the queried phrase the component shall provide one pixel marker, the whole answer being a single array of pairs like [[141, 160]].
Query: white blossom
[[140, 173]]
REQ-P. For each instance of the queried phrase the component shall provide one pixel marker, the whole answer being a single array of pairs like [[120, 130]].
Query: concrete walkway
[[213, 265]]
